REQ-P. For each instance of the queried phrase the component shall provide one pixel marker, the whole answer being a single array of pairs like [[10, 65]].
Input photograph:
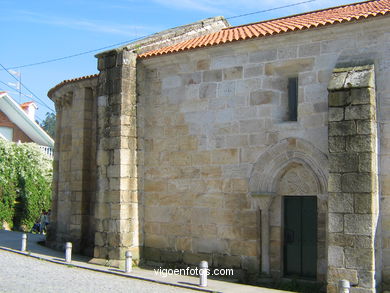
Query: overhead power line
[[78, 54], [143, 37], [26, 88], [271, 9]]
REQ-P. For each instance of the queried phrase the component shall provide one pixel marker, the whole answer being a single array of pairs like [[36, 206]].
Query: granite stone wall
[[353, 204]]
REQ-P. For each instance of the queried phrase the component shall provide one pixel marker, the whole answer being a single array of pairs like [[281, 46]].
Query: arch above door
[[293, 166]]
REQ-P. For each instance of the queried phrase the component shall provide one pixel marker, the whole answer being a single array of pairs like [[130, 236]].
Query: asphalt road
[[20, 273]]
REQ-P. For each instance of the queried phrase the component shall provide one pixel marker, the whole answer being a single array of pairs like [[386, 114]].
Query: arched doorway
[[297, 215], [288, 185]]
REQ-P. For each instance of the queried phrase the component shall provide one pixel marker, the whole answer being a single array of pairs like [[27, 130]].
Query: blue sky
[[40, 30]]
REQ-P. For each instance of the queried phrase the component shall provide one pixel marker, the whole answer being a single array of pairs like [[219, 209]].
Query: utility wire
[[27, 96], [271, 9], [37, 118], [79, 54], [34, 95], [143, 37]]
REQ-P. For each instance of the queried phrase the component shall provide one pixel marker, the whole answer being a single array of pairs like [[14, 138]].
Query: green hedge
[[25, 184]]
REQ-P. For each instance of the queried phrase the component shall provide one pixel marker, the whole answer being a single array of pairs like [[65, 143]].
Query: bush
[[25, 183]]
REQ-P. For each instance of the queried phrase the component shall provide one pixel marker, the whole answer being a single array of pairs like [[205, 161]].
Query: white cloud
[[234, 7], [84, 24]]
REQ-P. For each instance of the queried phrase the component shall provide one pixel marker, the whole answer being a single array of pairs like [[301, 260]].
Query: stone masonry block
[[343, 163], [225, 156], [360, 143], [226, 89], [359, 112], [262, 97], [356, 182], [334, 182], [336, 114], [366, 162], [336, 82], [340, 203], [366, 279], [335, 222], [362, 96], [339, 99], [365, 126], [363, 203], [212, 76], [263, 56], [156, 241], [360, 79], [210, 246], [358, 224], [203, 64], [336, 256], [253, 70], [233, 73], [208, 91], [342, 128], [361, 258], [336, 274], [336, 144]]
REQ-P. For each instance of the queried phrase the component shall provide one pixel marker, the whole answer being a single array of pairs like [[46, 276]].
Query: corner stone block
[[336, 274], [359, 258], [363, 77], [339, 99], [360, 224], [337, 82], [356, 182], [342, 128]]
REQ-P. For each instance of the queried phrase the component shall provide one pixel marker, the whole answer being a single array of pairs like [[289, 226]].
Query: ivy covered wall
[[25, 184]]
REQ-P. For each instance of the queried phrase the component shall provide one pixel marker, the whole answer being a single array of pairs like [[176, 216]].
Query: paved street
[[19, 273]]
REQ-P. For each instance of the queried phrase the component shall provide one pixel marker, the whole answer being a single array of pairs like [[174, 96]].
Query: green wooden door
[[300, 236]]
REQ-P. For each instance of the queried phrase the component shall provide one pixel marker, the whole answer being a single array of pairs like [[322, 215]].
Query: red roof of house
[[346, 13], [299, 22], [25, 105]]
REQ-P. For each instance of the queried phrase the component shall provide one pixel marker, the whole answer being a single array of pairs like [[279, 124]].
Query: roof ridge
[[298, 22], [66, 81], [303, 13]]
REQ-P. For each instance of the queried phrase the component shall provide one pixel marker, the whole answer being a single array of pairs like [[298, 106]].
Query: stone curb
[[36, 256]]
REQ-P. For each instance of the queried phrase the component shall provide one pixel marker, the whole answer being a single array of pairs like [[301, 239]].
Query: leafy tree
[[49, 124], [25, 183]]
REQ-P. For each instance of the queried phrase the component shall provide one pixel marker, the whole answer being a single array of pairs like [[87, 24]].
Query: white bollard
[[344, 286], [128, 262], [24, 242], [203, 269], [68, 252]]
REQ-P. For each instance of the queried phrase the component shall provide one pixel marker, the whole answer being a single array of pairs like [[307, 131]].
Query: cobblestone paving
[[20, 273]]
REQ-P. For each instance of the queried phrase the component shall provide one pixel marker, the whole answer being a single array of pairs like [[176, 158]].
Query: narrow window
[[293, 98]]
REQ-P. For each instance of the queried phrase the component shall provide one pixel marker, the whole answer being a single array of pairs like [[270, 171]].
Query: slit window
[[293, 98]]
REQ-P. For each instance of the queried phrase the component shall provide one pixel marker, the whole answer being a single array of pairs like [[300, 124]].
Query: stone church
[[263, 147]]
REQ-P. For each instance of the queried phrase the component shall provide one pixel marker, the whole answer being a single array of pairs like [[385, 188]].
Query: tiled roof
[[25, 105], [298, 22], [70, 81]]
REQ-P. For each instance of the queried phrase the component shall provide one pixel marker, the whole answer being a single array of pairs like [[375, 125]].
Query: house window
[[7, 132], [293, 98]]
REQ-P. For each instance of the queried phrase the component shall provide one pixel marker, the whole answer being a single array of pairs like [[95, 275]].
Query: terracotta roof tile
[[304, 21], [25, 105], [70, 81]]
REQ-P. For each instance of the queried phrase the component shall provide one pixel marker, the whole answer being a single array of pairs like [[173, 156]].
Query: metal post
[[344, 286], [203, 269], [68, 252], [24, 242], [129, 262]]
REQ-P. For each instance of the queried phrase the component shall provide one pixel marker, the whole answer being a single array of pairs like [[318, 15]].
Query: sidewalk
[[11, 241]]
